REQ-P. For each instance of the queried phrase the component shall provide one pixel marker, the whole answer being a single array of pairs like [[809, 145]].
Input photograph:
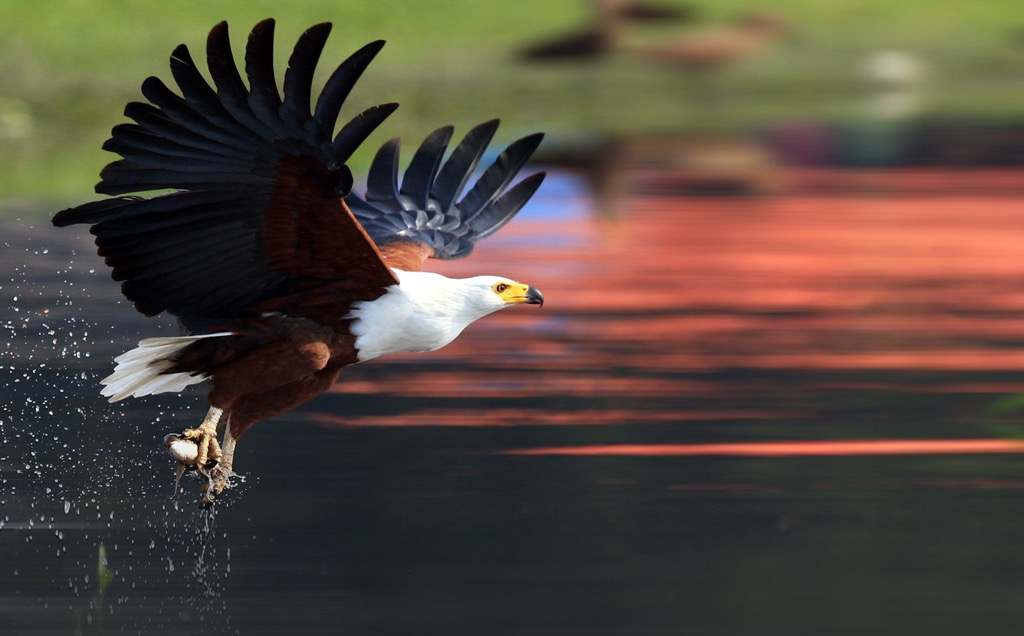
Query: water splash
[[80, 477]]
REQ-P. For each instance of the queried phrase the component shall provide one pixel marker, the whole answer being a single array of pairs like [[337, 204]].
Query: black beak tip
[[534, 297]]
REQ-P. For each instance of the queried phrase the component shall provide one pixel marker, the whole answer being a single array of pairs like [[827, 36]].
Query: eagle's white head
[[426, 311], [482, 295]]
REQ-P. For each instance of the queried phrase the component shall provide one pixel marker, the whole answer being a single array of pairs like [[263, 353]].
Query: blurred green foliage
[[68, 66]]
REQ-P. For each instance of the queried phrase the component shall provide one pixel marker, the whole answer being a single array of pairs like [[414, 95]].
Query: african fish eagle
[[278, 273]]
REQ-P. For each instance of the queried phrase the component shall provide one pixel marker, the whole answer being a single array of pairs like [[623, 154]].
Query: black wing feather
[[355, 132], [382, 182], [423, 209], [422, 170], [340, 84], [156, 265], [264, 99], [460, 166], [152, 120], [498, 175], [298, 78], [493, 217], [134, 142]]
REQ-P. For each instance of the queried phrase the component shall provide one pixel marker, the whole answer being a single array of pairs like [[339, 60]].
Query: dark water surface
[[693, 436]]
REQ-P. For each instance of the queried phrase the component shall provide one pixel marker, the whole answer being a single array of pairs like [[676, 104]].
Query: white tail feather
[[141, 371]]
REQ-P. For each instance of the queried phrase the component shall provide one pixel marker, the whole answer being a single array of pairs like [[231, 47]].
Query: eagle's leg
[[220, 474]]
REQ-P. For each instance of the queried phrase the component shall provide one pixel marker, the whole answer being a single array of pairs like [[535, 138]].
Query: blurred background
[[844, 82], [775, 389]]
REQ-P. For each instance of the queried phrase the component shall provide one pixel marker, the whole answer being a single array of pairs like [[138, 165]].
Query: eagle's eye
[[500, 287]]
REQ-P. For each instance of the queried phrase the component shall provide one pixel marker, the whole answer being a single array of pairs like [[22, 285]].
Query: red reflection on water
[[462, 417], [715, 309], [815, 448], [819, 282]]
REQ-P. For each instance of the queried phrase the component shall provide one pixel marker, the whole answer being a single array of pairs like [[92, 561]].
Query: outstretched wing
[[258, 212], [426, 207]]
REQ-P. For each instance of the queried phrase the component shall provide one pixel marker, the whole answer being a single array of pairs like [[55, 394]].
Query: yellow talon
[[205, 438], [198, 448]]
